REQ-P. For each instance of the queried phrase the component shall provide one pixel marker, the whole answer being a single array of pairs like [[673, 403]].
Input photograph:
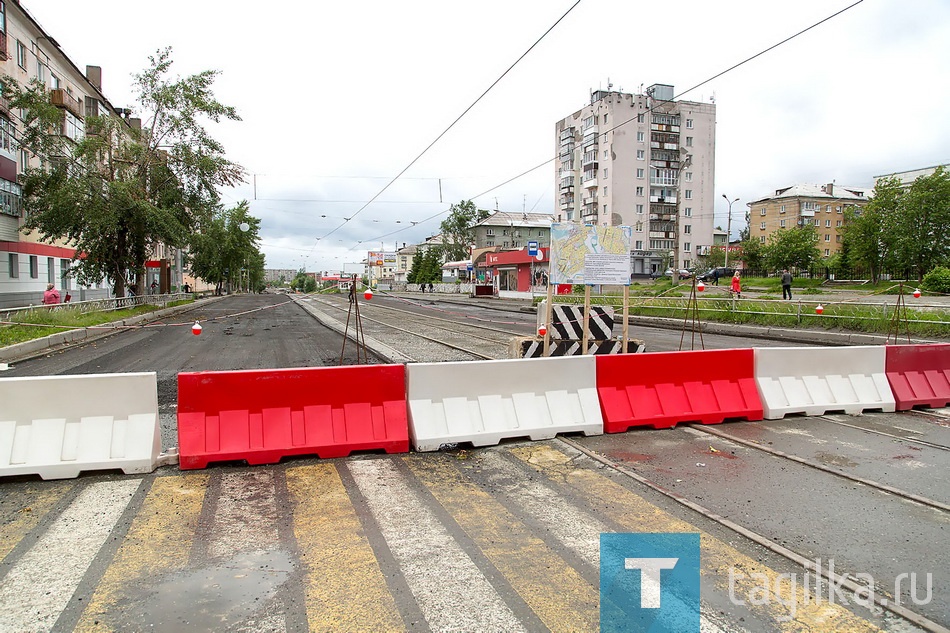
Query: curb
[[61, 340]]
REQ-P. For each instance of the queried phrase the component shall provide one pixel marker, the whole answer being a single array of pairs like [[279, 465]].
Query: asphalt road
[[500, 538]]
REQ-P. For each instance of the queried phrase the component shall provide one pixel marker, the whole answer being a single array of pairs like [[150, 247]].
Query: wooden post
[[549, 309], [586, 320], [626, 319]]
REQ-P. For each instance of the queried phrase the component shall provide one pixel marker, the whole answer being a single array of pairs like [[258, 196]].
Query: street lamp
[[676, 221], [728, 227]]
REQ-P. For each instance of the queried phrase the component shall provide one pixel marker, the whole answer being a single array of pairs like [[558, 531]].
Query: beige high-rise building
[[644, 161]]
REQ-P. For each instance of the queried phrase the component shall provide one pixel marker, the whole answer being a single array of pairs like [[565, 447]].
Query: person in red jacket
[[51, 295], [736, 286]]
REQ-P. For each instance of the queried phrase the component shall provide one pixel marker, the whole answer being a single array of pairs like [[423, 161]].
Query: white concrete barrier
[[815, 380], [486, 401], [59, 426]]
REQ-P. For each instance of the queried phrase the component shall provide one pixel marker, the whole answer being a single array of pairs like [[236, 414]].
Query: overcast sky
[[338, 97]]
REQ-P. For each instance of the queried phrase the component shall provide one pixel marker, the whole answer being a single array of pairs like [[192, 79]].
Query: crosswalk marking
[[24, 512], [635, 514], [157, 543], [451, 591], [41, 583], [530, 566], [345, 589]]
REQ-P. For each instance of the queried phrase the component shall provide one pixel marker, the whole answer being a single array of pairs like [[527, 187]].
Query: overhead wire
[[648, 111], [451, 125]]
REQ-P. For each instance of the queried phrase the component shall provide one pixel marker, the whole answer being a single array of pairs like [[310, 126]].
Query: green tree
[[752, 254], [413, 275], [225, 254], [114, 190], [868, 235], [792, 248], [430, 271], [458, 230], [922, 223]]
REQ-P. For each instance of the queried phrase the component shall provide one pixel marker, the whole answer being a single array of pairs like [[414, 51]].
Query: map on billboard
[[590, 254]]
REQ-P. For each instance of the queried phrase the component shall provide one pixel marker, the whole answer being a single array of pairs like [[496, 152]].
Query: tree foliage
[[902, 229], [458, 230], [227, 256], [792, 248], [415, 267], [113, 191], [752, 254]]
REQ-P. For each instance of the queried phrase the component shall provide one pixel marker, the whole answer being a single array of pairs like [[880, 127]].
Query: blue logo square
[[649, 582]]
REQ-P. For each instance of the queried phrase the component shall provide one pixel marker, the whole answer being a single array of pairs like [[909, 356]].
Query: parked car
[[724, 273], [683, 273]]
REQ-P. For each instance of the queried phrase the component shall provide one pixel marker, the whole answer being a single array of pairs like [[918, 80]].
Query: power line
[[700, 84], [451, 125]]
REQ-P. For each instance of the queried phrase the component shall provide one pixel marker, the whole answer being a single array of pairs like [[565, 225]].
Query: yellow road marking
[[159, 540], [533, 570], [346, 590], [635, 514], [21, 512]]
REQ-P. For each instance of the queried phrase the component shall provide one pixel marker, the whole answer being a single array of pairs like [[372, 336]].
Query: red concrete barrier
[[263, 415], [919, 375], [663, 389]]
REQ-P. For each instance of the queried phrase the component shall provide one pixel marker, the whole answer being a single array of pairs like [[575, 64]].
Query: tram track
[[490, 347]]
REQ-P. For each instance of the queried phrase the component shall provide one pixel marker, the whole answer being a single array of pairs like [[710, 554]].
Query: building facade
[[512, 231], [799, 205], [907, 178], [645, 161]]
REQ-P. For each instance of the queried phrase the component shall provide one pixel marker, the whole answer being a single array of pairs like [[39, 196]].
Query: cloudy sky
[[337, 98]]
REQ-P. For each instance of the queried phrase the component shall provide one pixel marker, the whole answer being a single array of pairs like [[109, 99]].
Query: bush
[[937, 280]]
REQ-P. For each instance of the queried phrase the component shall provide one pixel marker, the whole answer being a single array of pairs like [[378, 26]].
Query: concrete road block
[[59, 426], [816, 380], [485, 402]]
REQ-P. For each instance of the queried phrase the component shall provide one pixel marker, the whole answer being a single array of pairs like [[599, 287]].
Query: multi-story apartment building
[[513, 231], [27, 265], [799, 205], [907, 178], [645, 161]]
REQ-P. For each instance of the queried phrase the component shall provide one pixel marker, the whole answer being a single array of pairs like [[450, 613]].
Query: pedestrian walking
[[736, 286], [715, 276], [51, 295], [786, 284]]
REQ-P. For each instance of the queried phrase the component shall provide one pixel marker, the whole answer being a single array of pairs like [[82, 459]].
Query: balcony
[[62, 99], [567, 183], [808, 213], [671, 199], [663, 181]]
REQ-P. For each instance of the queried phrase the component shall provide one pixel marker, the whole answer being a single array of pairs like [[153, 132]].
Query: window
[[817, 222], [689, 141], [838, 209], [640, 118], [688, 212], [639, 191], [605, 118], [7, 134], [640, 209], [687, 228], [11, 200], [605, 175], [688, 194], [638, 245], [50, 271], [689, 176], [639, 137], [827, 224], [761, 239], [504, 231], [687, 247], [762, 226], [504, 244], [838, 238], [782, 223], [34, 267], [689, 124], [762, 212], [489, 231], [13, 261], [24, 160], [827, 208], [490, 243], [826, 252], [605, 153], [640, 173], [838, 223], [639, 227], [20, 54], [41, 72], [605, 209], [605, 190], [827, 237], [641, 154], [781, 209], [53, 82], [73, 126]]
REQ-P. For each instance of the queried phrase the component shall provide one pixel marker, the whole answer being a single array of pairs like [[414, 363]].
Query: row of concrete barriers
[[262, 416]]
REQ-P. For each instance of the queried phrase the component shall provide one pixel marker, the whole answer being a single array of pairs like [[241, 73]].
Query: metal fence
[[839, 273], [98, 305]]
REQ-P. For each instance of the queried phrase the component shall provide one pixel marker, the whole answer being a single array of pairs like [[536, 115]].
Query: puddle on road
[[216, 597]]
